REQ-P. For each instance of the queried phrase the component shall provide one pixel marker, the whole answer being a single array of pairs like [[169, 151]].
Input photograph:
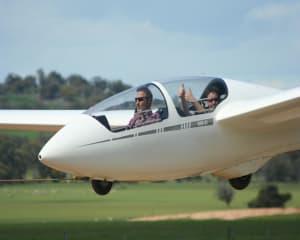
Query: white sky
[[139, 41]]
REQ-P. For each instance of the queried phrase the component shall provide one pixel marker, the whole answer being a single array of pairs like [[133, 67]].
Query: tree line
[[52, 90]]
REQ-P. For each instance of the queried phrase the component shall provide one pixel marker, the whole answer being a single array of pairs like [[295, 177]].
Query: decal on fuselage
[[202, 123], [177, 127], [173, 128], [153, 131]]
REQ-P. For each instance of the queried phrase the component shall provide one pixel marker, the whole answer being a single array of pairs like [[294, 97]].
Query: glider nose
[[64, 150], [55, 152]]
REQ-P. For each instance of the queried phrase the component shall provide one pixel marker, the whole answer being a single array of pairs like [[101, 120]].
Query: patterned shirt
[[143, 118]]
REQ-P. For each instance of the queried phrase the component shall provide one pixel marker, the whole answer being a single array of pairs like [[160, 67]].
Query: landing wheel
[[240, 183], [101, 187]]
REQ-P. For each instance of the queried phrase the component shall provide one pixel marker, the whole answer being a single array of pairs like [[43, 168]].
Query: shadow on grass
[[263, 228]]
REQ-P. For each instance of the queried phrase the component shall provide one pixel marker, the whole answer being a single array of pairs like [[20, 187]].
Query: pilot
[[143, 114], [205, 105]]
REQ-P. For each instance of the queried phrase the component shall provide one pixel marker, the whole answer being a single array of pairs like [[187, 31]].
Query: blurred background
[[73, 54]]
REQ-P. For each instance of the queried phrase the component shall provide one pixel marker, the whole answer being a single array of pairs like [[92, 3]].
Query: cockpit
[[196, 92], [116, 112]]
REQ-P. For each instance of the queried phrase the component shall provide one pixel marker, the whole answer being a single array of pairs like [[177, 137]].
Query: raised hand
[[181, 91], [189, 97]]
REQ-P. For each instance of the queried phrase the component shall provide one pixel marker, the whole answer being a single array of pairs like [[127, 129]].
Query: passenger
[[143, 114], [207, 104]]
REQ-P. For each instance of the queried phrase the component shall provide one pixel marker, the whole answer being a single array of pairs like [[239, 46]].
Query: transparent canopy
[[126, 101], [199, 86], [120, 108]]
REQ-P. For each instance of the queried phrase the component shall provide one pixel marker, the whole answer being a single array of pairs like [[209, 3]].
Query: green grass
[[19, 101], [278, 228], [77, 201], [74, 211]]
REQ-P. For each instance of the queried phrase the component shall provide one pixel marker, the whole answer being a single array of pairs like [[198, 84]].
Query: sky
[[141, 41]]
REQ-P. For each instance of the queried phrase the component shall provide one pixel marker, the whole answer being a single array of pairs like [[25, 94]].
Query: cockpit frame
[[115, 119]]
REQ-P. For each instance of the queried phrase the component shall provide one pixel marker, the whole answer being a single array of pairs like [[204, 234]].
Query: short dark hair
[[212, 89], [146, 90]]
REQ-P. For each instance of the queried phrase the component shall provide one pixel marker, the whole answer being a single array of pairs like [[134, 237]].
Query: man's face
[[141, 101], [213, 100]]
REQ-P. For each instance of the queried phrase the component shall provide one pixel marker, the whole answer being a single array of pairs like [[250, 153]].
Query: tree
[[100, 83], [69, 93], [100, 88], [14, 83], [269, 197], [76, 89], [117, 86], [50, 86], [2, 89], [12, 166], [30, 84], [41, 77], [225, 192], [283, 168]]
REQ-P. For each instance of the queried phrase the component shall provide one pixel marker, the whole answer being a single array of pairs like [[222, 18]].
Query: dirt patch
[[224, 215]]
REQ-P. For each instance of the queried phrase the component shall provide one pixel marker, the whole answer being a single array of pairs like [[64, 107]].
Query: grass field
[[74, 211]]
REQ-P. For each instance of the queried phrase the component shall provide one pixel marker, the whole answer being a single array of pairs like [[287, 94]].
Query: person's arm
[[190, 98], [130, 124], [132, 121], [181, 95], [199, 107]]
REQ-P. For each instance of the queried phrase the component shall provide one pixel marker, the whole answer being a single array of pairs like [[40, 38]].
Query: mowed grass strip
[[76, 202], [275, 228]]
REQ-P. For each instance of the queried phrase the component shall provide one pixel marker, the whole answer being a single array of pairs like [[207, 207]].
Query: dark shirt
[[143, 118]]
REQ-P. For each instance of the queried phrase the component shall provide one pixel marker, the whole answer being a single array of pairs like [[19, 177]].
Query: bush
[[225, 192], [269, 197]]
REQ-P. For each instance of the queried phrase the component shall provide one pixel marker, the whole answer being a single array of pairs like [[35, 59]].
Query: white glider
[[250, 125]]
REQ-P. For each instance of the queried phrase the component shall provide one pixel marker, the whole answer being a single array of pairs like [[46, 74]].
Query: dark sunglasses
[[213, 100], [140, 99]]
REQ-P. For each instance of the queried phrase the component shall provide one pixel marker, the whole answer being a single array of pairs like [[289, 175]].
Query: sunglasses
[[140, 99], [213, 100]]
